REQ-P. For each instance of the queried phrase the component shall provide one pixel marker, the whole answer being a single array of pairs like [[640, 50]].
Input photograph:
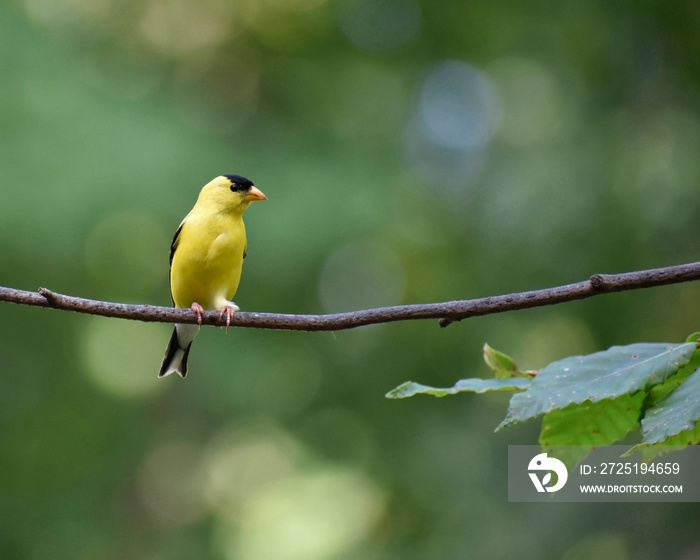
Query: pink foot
[[198, 311], [229, 311]]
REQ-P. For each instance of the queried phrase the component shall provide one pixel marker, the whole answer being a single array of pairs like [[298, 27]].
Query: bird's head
[[232, 192]]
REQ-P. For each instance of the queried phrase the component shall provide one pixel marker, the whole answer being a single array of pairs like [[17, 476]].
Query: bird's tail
[[175, 359]]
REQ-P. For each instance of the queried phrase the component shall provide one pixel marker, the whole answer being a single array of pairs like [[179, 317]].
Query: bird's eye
[[235, 187]]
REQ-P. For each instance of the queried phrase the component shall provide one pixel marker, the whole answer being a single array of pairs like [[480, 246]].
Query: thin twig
[[446, 312]]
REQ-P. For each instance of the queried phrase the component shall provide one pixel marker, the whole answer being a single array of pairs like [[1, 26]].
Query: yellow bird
[[206, 258]]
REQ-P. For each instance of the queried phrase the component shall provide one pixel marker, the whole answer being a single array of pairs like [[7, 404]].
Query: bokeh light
[[64, 12], [121, 357], [318, 514], [457, 107], [240, 462], [180, 26], [456, 114], [275, 500], [533, 108]]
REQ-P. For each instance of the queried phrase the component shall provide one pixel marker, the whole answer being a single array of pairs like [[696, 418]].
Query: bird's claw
[[229, 311], [199, 312]]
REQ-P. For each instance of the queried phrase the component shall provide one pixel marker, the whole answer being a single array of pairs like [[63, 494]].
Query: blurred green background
[[412, 151]]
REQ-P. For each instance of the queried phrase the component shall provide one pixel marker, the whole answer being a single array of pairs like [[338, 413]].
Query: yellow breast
[[207, 261]]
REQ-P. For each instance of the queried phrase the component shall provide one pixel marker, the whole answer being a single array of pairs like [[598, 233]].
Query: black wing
[[175, 243], [173, 247], [245, 251]]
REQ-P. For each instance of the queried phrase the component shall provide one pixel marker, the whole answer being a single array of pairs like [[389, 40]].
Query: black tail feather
[[170, 361]]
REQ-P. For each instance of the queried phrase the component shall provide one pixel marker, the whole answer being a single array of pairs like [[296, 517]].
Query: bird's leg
[[229, 311], [198, 311]]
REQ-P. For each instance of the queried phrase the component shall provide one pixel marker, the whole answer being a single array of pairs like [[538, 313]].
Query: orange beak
[[254, 193]]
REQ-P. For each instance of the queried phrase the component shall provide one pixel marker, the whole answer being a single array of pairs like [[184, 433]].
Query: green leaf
[[695, 337], [661, 391], [651, 450], [657, 394], [606, 374], [589, 424], [501, 364], [410, 388], [676, 413]]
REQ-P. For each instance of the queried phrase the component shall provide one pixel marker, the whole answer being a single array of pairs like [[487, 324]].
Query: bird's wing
[[245, 251], [173, 247], [175, 243]]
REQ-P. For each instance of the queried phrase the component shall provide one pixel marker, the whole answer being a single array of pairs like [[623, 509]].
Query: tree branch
[[446, 312]]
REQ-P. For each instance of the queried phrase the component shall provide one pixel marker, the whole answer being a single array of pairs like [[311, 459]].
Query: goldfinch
[[206, 257]]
